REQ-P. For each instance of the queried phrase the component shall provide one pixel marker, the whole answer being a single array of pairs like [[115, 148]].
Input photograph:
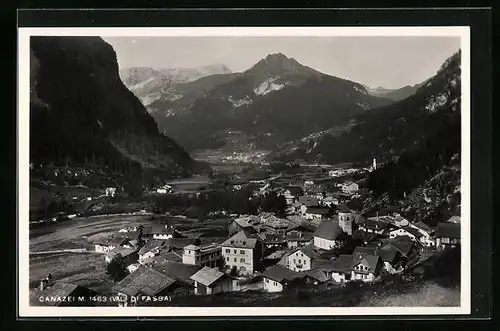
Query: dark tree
[[117, 269]]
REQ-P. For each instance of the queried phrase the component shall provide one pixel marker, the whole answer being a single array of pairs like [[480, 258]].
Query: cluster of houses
[[321, 240]]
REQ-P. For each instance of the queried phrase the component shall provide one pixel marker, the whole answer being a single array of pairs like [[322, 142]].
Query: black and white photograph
[[248, 171]]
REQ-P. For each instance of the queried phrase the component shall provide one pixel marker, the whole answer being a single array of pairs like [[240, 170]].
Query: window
[[227, 258], [300, 261], [228, 251], [235, 251], [242, 260], [235, 259], [275, 284], [242, 252], [266, 280]]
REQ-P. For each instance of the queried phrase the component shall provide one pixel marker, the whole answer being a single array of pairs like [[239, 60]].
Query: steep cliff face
[[81, 112]]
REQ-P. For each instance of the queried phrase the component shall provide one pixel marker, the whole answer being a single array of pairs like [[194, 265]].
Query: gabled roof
[[370, 250], [180, 243], [242, 223], [150, 245], [308, 201], [342, 208], [112, 241], [307, 250], [342, 264], [448, 230], [178, 270], [402, 245], [328, 229], [316, 274], [241, 240], [207, 276], [295, 190], [388, 253], [318, 211], [59, 290], [123, 251], [413, 231], [370, 261], [145, 281], [280, 274], [374, 225], [299, 236]]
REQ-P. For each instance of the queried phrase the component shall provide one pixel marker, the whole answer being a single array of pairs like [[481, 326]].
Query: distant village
[[319, 241]]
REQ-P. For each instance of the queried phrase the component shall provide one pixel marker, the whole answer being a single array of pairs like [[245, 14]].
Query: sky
[[390, 62]]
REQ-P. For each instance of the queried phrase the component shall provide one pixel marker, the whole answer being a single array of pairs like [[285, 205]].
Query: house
[[308, 201], [391, 258], [373, 226], [366, 267], [129, 255], [426, 239], [274, 240], [179, 271], [314, 275], [291, 193], [133, 267], [350, 188], [410, 232], [329, 235], [178, 244], [151, 249], [240, 224], [164, 189], [339, 269], [447, 235], [211, 281], [276, 225], [110, 191], [273, 256], [243, 252], [346, 219], [277, 278], [164, 232], [406, 247], [317, 213], [63, 294], [330, 201], [301, 258], [298, 238], [110, 243], [207, 255], [146, 282]]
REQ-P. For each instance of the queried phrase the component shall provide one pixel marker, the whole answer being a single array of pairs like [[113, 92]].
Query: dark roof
[[302, 227], [59, 290], [388, 253], [343, 209], [316, 274], [207, 276], [374, 225], [308, 201], [180, 243], [365, 236], [370, 250], [112, 241], [318, 210], [295, 190], [299, 236], [177, 270], [122, 251], [280, 274], [328, 229], [448, 230], [242, 223], [423, 226], [241, 240], [404, 246], [274, 238], [144, 281], [150, 245], [308, 250], [358, 219], [413, 231], [343, 263], [371, 261]]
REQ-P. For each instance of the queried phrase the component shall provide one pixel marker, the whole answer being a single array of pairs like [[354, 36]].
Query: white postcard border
[[25, 310]]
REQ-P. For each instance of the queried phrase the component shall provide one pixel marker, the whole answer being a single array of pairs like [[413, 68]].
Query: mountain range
[[81, 113], [275, 101], [150, 84], [394, 94], [430, 116]]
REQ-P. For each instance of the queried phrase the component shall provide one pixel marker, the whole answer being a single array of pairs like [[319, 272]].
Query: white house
[[164, 189], [276, 278], [340, 269], [110, 191], [211, 281], [350, 188], [208, 255], [328, 235], [301, 259], [366, 267], [243, 252]]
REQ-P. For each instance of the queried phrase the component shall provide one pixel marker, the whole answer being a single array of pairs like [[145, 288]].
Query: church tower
[[346, 219], [374, 164]]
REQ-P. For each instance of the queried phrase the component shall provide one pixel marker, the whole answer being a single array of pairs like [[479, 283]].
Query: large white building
[[243, 252]]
